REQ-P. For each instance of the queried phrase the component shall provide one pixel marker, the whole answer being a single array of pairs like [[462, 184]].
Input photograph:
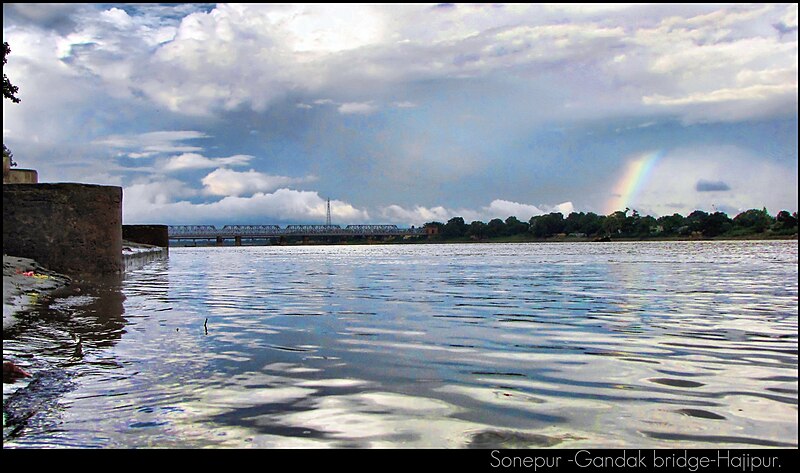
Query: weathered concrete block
[[156, 235], [69, 228], [142, 256], [21, 176]]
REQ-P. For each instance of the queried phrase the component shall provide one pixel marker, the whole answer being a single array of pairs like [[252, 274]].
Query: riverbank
[[569, 239], [506, 239], [25, 280], [33, 380]]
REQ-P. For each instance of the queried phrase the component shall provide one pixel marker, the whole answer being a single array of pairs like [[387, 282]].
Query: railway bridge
[[269, 232]]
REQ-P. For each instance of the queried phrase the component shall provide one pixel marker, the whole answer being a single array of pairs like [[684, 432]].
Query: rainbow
[[633, 180]]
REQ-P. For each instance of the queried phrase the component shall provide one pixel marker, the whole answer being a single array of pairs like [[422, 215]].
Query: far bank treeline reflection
[[623, 224]]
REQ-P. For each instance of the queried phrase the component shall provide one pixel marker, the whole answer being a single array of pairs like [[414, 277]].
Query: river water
[[656, 344]]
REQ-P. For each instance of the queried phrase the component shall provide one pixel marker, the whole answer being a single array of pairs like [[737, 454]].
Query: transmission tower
[[328, 214]]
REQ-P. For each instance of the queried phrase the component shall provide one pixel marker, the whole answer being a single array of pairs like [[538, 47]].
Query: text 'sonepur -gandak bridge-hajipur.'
[[253, 232]]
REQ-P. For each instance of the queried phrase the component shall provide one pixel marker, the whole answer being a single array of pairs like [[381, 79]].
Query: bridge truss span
[[381, 229], [192, 231], [179, 232], [313, 230], [250, 230]]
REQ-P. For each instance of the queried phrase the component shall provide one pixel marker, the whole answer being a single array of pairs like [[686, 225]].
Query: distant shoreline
[[567, 239], [437, 240]]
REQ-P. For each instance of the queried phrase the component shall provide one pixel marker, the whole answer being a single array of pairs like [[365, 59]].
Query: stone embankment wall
[[141, 257], [156, 235], [142, 244], [66, 227]]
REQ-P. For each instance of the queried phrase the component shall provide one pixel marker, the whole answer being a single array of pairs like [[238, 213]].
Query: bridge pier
[[237, 241], [219, 241]]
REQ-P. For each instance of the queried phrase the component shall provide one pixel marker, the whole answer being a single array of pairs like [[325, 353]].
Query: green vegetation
[[577, 226], [9, 91], [621, 225]]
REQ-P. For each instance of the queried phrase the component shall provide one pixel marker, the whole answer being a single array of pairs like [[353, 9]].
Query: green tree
[[478, 230], [515, 227], [591, 224], [672, 224], [455, 228], [644, 226], [8, 88], [544, 226], [572, 224], [615, 223], [785, 222], [786, 218], [632, 225], [697, 220], [753, 220], [716, 224], [9, 92], [495, 228]]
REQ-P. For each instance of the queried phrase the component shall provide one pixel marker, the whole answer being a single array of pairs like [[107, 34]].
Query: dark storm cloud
[[711, 186], [52, 16]]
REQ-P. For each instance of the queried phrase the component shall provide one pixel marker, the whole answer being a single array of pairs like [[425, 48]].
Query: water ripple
[[672, 344]]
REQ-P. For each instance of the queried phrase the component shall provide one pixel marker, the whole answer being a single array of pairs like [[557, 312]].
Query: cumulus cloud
[[416, 216], [157, 202], [719, 67], [357, 108], [346, 108], [503, 209], [498, 208], [152, 143], [226, 182], [508, 208], [198, 161], [404, 104], [93, 77], [145, 194], [237, 56]]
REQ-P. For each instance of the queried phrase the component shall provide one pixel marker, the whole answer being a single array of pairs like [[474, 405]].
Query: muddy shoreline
[[29, 293], [24, 281]]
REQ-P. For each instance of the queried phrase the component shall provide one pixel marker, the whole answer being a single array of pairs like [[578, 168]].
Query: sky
[[405, 114]]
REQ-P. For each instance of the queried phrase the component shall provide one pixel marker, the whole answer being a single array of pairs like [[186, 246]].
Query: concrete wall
[[156, 235], [141, 258], [18, 176], [21, 176], [69, 228]]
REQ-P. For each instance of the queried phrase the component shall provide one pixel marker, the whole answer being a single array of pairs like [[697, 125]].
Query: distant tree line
[[626, 224]]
